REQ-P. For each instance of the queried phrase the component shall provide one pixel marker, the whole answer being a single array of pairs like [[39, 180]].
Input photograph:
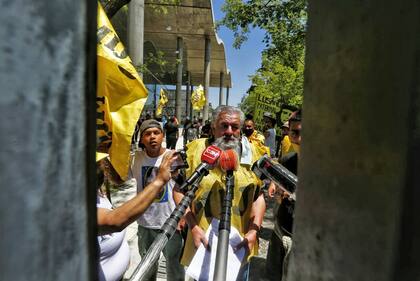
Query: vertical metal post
[[221, 96], [227, 95], [180, 50], [207, 58], [154, 99], [191, 107], [188, 94]]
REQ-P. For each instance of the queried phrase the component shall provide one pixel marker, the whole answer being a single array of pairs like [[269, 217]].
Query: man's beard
[[229, 143]]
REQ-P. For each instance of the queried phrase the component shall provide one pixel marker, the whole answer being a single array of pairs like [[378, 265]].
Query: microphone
[[267, 168], [209, 159], [228, 162]]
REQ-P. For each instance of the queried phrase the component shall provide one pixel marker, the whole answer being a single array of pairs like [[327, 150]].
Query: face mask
[[248, 132]]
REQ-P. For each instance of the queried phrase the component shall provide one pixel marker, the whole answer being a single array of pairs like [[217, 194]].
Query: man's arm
[[256, 219], [117, 219], [198, 234]]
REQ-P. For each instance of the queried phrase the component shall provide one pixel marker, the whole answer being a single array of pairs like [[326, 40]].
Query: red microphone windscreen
[[211, 154], [228, 160]]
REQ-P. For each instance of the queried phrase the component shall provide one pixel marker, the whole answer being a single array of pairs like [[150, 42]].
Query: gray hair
[[230, 110]]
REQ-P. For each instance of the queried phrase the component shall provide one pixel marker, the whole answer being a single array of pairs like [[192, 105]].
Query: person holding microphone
[[248, 205]]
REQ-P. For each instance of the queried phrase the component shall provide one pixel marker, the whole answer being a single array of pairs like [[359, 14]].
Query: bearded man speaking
[[248, 206]]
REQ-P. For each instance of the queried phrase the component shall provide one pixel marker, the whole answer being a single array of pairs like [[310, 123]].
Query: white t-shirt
[[270, 141], [144, 170], [114, 256]]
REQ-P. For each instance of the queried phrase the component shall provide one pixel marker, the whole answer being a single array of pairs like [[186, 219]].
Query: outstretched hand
[[164, 173]]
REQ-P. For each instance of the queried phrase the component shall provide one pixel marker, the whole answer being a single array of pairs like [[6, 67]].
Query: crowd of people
[[158, 191]]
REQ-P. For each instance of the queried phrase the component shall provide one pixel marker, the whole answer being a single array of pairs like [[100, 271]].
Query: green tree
[[284, 22], [282, 83]]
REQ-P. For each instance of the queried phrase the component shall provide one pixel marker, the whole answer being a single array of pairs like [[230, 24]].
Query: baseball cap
[[147, 124], [268, 115]]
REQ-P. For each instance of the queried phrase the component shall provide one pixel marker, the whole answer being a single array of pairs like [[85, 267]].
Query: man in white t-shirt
[[144, 169], [270, 133]]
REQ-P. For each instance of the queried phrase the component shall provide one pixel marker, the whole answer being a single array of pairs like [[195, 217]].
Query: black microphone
[[266, 168]]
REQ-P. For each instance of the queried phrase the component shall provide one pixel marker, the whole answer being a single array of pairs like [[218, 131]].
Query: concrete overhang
[[192, 20]]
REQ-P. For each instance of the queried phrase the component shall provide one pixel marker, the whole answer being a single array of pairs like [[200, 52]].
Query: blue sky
[[241, 62]]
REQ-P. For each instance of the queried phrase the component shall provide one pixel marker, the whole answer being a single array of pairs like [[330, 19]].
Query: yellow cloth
[[258, 140], [198, 98], [120, 96], [100, 156], [286, 146], [207, 201], [296, 148], [162, 102]]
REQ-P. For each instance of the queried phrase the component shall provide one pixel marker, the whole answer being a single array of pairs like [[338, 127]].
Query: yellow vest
[[207, 203]]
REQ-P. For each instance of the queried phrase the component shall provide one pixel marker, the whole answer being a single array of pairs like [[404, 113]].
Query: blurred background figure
[[270, 132], [285, 144], [281, 240], [255, 137], [190, 132], [171, 133], [206, 130]]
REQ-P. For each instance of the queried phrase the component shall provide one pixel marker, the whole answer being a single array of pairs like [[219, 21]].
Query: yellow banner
[[120, 96], [264, 104], [163, 100], [198, 99]]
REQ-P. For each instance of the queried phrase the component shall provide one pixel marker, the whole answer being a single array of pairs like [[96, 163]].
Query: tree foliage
[[279, 81], [284, 22]]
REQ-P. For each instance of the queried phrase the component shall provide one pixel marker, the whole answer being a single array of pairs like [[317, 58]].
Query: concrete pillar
[[356, 214], [180, 55], [221, 94], [47, 140], [227, 95], [135, 31], [207, 59]]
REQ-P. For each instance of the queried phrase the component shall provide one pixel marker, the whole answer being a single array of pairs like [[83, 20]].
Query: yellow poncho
[[207, 201]]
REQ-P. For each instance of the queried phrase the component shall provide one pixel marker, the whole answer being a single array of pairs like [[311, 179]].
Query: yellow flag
[[120, 96], [163, 100], [198, 99]]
